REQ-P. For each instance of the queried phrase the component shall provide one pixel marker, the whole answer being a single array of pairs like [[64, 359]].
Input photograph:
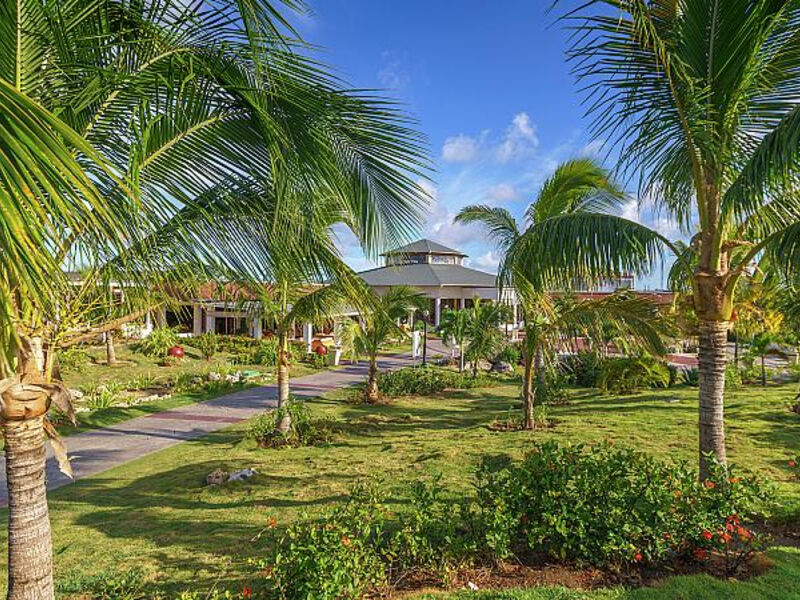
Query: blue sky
[[490, 87]]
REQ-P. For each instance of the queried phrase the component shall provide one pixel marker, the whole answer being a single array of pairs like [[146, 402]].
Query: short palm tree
[[576, 187], [115, 117], [483, 331], [701, 100], [454, 329], [379, 324]]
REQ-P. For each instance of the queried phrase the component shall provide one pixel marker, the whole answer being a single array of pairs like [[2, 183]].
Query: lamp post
[[425, 315]]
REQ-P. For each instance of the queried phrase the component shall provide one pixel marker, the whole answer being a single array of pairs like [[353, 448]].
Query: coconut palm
[[700, 99], [379, 325], [115, 117], [483, 332], [576, 187], [454, 329]]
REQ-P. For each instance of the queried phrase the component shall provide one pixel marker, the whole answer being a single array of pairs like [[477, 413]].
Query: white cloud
[[520, 139], [593, 148], [394, 74], [503, 192], [488, 261], [630, 210], [461, 148]]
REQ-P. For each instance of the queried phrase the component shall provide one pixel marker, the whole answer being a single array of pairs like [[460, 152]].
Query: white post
[[411, 320], [462, 303], [308, 335], [437, 314], [211, 321], [197, 319], [257, 331], [416, 344]]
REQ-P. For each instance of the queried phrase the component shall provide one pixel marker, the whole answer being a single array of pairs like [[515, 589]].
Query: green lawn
[[156, 514]]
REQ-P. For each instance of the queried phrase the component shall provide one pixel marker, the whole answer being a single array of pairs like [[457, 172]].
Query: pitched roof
[[427, 275], [423, 246]]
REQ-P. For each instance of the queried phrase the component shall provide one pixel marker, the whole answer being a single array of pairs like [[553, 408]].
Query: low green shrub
[[691, 377], [318, 361], [268, 429], [207, 344], [625, 375], [259, 352], [423, 381], [158, 343], [610, 507], [509, 353], [128, 585], [582, 368], [74, 360]]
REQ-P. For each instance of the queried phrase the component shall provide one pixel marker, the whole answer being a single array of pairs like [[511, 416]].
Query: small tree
[[454, 329], [483, 331]]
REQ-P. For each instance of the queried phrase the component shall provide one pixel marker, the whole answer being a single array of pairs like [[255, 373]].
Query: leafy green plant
[[74, 359], [423, 381], [628, 374], [691, 377], [272, 429], [158, 343], [582, 368], [509, 353], [318, 361], [103, 396], [207, 344], [128, 585]]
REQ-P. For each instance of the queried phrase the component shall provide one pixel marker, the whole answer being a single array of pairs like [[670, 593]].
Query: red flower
[[734, 479], [729, 527], [272, 522], [346, 541], [677, 493], [638, 557], [707, 535], [709, 484], [726, 537], [247, 592], [734, 518], [700, 554], [792, 463]]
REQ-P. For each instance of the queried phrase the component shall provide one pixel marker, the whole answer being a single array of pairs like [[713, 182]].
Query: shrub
[[303, 430], [509, 353], [207, 344], [626, 375], [733, 378], [105, 586], [335, 557], [318, 361], [606, 506], [74, 359], [691, 377], [423, 381], [258, 352], [103, 396], [582, 368], [158, 343]]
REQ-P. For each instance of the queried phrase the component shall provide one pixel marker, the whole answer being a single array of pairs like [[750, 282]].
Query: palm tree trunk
[[528, 394], [283, 368], [461, 357], [30, 565], [111, 353], [763, 372], [712, 357], [371, 395]]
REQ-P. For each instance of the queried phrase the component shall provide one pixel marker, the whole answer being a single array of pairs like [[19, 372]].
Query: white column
[[197, 319], [308, 335], [211, 321], [257, 330], [515, 330], [411, 320], [437, 313], [462, 303]]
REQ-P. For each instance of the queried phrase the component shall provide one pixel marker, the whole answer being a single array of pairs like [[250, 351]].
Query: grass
[[156, 514]]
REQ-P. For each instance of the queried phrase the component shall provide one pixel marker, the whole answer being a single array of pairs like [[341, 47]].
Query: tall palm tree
[[700, 98], [116, 117], [578, 186], [379, 324], [454, 329]]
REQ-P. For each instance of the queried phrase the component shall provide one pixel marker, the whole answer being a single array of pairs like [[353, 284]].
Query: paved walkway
[[101, 449]]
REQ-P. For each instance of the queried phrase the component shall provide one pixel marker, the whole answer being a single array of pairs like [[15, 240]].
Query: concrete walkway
[[101, 449]]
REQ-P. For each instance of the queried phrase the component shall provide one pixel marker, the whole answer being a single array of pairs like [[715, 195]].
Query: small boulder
[[502, 367], [76, 394], [242, 474], [217, 477]]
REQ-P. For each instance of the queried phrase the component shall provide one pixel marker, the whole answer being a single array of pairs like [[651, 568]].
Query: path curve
[[101, 449]]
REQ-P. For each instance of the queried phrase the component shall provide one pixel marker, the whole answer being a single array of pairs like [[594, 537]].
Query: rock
[[502, 367], [83, 409], [472, 586], [214, 376], [216, 477], [242, 474], [76, 394]]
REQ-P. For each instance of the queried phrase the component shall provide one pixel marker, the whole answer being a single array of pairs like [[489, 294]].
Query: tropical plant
[[454, 329], [483, 331], [700, 100], [576, 187], [158, 343], [118, 120], [379, 324]]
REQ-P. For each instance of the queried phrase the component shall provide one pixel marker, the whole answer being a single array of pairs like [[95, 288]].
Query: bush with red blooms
[[794, 465], [732, 541], [612, 506]]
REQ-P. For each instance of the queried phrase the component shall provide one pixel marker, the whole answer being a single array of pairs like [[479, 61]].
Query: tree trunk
[[712, 356], [111, 353], [371, 395], [283, 369], [763, 372], [528, 394], [461, 357], [30, 565]]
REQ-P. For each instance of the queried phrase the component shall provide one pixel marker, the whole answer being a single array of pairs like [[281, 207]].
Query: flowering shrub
[[732, 541], [607, 506]]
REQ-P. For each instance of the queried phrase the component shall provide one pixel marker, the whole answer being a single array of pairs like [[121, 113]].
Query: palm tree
[[700, 99], [483, 331], [115, 118], [379, 324], [576, 187], [454, 328]]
